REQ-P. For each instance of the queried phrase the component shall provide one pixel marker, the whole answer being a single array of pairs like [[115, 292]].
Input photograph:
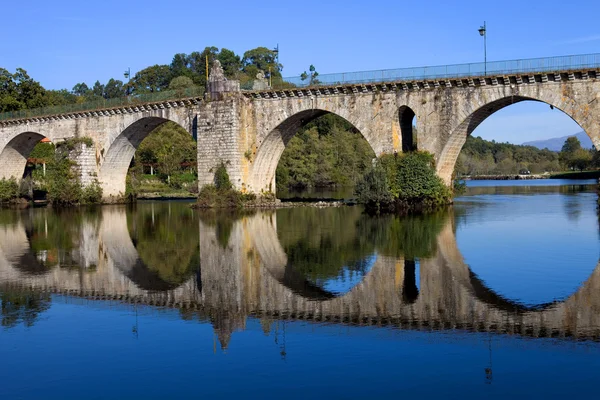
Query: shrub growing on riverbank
[[403, 182], [64, 186], [222, 194], [9, 190]]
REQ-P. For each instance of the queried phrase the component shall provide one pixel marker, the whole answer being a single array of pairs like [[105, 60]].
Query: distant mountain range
[[556, 144]]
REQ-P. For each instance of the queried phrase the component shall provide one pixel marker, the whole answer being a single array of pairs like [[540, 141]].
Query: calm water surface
[[497, 296]]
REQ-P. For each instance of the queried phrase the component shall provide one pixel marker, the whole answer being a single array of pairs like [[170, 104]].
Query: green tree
[[151, 79], [230, 62], [114, 89], [181, 83], [98, 90], [168, 146], [80, 89], [411, 182], [581, 159], [570, 155], [311, 76], [261, 59]]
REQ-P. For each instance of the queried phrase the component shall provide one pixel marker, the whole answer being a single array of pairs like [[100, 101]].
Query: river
[[498, 295]]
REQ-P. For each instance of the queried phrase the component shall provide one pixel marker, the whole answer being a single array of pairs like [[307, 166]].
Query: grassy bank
[[577, 175]]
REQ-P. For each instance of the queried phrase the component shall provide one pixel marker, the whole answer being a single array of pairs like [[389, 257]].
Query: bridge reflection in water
[[234, 267]]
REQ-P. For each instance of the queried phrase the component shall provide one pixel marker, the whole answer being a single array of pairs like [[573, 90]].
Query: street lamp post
[[483, 32], [127, 75]]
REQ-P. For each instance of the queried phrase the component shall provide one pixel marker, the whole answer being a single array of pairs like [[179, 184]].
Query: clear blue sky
[[63, 42]]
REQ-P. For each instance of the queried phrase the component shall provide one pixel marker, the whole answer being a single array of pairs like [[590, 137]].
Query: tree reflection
[[326, 244], [22, 305], [342, 243], [166, 238], [57, 238]]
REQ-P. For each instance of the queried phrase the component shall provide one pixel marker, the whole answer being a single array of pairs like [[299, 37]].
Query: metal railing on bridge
[[132, 100], [510, 67]]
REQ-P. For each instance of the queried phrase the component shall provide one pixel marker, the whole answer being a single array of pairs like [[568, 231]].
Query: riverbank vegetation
[[483, 157], [164, 164], [403, 183], [222, 194], [51, 175], [327, 152]]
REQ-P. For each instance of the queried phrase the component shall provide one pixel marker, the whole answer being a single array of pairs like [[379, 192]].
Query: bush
[[222, 181], [9, 190], [223, 195], [405, 181], [91, 194], [64, 186]]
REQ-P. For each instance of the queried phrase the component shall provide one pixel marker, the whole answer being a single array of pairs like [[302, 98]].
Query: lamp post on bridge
[[127, 75], [483, 32]]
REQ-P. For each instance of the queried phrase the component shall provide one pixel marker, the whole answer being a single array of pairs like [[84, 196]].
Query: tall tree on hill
[[151, 79], [114, 89], [19, 91], [231, 63], [572, 154], [261, 59]]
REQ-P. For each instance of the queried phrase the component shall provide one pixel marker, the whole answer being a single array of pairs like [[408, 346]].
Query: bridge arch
[[406, 116], [116, 157], [268, 154], [479, 109], [14, 155]]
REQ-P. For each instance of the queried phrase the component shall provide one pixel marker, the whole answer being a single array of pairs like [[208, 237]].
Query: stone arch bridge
[[248, 130]]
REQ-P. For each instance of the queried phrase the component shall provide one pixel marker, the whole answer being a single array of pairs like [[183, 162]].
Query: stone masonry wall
[[84, 157], [218, 129]]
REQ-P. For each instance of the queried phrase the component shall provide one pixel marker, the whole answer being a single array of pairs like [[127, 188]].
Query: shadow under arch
[[270, 150], [117, 158], [409, 139], [15, 153], [458, 137]]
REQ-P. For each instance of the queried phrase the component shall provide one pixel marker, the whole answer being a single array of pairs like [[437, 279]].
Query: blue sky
[[62, 42]]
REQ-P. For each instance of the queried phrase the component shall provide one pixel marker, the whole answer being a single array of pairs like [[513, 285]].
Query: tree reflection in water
[[22, 305], [335, 248], [166, 239]]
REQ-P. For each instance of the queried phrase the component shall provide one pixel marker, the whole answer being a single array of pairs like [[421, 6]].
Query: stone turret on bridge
[[247, 131]]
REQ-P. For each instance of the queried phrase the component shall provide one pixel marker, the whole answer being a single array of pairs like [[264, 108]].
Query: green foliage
[[167, 148], [573, 156], [261, 59], [223, 195], [312, 76], [222, 181], [180, 83], [64, 186], [91, 194], [328, 151], [151, 79], [19, 91], [482, 157], [374, 188], [9, 190], [43, 152], [211, 197], [406, 181]]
